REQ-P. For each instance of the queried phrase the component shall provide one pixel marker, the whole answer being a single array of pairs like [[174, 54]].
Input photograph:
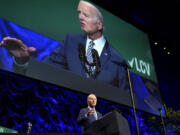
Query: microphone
[[82, 56], [96, 61], [84, 62]]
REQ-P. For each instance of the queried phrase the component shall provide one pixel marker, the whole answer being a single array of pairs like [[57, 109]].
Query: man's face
[[92, 100], [88, 19]]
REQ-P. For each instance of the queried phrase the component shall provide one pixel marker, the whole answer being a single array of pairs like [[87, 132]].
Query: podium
[[111, 124]]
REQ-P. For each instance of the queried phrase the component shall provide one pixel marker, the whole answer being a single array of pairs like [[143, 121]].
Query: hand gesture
[[90, 112], [17, 49]]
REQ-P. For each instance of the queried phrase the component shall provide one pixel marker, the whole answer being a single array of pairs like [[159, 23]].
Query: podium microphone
[[82, 56], [83, 59], [96, 61], [84, 62]]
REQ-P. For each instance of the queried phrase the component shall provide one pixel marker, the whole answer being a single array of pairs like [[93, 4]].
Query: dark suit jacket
[[112, 70], [85, 122]]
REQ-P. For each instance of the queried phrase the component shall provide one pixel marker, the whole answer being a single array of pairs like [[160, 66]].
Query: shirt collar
[[91, 108], [98, 40], [99, 43]]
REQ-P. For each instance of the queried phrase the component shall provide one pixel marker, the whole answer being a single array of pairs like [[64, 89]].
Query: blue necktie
[[89, 52], [89, 57]]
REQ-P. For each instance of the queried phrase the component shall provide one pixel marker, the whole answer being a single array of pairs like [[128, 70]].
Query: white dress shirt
[[95, 113], [99, 44]]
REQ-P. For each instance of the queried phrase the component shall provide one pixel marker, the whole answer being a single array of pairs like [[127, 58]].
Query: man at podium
[[89, 114]]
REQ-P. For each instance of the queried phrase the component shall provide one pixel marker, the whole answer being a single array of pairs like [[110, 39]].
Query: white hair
[[98, 13]]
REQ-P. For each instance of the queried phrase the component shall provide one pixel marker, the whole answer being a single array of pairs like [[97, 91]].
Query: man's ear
[[100, 25]]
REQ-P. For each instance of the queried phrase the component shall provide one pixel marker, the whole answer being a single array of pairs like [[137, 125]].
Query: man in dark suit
[[111, 69], [88, 115]]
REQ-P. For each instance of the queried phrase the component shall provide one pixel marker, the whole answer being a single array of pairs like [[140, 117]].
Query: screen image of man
[[89, 114], [89, 54]]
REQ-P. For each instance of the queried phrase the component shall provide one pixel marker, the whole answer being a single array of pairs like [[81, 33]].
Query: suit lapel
[[83, 41], [105, 55]]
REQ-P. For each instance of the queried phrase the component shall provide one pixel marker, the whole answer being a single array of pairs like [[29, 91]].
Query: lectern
[[112, 123]]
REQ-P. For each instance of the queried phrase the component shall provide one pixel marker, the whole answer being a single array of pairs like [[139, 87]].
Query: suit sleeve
[[81, 117], [123, 78], [58, 56]]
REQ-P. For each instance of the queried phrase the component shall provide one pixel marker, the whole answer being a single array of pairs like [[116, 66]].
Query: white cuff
[[20, 65]]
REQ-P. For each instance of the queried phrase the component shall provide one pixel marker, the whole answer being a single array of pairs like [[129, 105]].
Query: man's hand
[[90, 112], [17, 49]]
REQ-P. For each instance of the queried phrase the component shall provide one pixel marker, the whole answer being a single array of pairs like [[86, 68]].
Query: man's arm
[[17, 49], [20, 68], [58, 56], [82, 117], [85, 117], [121, 71], [20, 52], [123, 78]]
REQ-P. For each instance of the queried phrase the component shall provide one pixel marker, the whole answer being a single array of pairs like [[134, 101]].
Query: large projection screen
[[44, 23]]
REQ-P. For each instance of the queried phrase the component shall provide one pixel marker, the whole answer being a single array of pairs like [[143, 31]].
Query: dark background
[[160, 20]]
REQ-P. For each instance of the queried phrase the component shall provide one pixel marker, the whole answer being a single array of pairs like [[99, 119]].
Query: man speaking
[[89, 54], [88, 115]]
